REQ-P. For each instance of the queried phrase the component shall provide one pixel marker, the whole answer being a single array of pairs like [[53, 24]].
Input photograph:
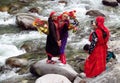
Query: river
[[11, 37]]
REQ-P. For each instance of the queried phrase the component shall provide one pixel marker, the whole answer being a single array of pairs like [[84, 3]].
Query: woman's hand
[[59, 43]]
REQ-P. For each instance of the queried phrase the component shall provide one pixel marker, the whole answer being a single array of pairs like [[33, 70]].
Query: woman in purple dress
[[64, 24]]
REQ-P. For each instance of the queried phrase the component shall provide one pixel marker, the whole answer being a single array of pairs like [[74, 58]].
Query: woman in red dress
[[64, 27], [53, 40], [95, 64]]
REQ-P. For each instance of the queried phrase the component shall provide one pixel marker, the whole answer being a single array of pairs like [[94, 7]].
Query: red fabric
[[96, 62], [49, 54], [39, 21], [52, 13], [63, 58]]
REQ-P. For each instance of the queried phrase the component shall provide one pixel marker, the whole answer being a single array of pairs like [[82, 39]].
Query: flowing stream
[[11, 37]]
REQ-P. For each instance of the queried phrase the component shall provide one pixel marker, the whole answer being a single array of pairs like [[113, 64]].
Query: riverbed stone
[[34, 45], [112, 3], [42, 68], [94, 13], [34, 10], [62, 2], [79, 80], [25, 20], [16, 62], [52, 78]]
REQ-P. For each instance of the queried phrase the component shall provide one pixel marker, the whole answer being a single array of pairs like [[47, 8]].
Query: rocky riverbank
[[30, 67]]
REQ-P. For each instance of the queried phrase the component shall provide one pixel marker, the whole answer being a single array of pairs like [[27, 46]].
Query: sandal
[[50, 62]]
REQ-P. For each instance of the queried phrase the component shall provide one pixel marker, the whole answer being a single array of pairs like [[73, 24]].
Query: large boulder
[[52, 78], [94, 13], [42, 68], [25, 21], [112, 3]]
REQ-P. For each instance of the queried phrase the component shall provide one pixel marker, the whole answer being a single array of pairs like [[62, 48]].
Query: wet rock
[[16, 62], [37, 10], [52, 78], [34, 10], [77, 62], [79, 80], [42, 68], [25, 20], [94, 13], [81, 66], [63, 2], [112, 3], [14, 8], [33, 45]]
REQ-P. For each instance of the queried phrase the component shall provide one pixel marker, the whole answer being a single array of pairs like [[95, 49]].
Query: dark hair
[[86, 47], [91, 22]]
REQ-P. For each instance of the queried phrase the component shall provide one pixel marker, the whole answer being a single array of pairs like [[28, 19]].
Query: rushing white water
[[9, 43], [6, 18]]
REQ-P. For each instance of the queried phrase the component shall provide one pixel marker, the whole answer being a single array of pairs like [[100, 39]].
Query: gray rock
[[63, 2], [112, 3], [16, 62], [52, 78], [42, 68], [79, 80], [34, 45], [25, 20], [94, 13]]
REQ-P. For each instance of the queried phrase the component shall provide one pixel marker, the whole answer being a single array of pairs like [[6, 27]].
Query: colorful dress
[[95, 64], [63, 38]]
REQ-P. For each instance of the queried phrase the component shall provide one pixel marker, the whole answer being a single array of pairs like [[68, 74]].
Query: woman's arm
[[93, 42], [52, 31]]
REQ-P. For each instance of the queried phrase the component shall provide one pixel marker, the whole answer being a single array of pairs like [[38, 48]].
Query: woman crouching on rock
[[95, 64]]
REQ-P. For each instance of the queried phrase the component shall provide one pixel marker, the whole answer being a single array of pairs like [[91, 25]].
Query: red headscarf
[[52, 13], [100, 22]]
